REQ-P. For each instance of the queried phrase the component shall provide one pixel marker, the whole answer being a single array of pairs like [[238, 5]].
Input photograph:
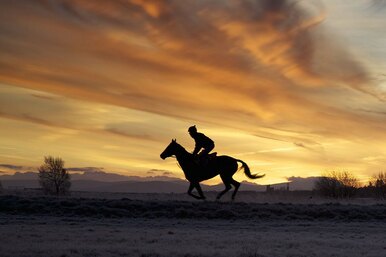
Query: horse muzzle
[[163, 157]]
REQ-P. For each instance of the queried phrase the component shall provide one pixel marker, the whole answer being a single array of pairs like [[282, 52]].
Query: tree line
[[343, 184]]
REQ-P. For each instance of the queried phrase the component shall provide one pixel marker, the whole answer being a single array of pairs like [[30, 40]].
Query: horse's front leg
[[198, 187], [199, 190]]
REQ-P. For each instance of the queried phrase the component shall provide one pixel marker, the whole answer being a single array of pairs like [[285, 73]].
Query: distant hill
[[91, 175], [130, 186], [20, 176], [99, 181], [175, 186], [109, 182], [299, 183]]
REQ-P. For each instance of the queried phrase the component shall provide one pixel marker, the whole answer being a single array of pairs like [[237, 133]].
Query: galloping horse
[[223, 165]]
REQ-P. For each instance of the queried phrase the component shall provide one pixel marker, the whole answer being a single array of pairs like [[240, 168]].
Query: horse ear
[[174, 140]]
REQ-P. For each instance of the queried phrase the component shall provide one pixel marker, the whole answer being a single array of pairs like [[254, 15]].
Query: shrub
[[53, 178], [337, 184]]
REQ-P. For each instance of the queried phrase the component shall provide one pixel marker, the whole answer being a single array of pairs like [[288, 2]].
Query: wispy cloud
[[86, 169], [120, 132], [15, 168], [264, 60], [12, 167]]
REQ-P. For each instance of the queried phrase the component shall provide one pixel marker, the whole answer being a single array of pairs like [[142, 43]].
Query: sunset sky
[[293, 88]]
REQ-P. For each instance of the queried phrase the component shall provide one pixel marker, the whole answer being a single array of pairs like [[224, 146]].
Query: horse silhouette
[[222, 165]]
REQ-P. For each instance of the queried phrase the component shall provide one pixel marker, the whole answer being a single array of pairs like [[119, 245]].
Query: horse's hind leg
[[236, 185], [228, 187]]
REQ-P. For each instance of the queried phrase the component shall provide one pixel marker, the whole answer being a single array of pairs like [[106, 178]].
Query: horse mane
[[182, 148]]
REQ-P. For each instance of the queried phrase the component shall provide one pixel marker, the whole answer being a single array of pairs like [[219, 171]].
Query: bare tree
[[53, 178], [327, 186], [337, 184], [379, 184]]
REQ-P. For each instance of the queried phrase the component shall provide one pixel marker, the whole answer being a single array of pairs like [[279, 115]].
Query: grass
[[127, 208]]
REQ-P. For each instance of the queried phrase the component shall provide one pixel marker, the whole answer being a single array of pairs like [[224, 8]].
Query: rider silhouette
[[202, 142]]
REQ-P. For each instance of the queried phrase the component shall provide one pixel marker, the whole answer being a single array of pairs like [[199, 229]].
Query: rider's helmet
[[192, 129]]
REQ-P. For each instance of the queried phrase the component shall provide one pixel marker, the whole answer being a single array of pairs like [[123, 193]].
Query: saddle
[[212, 155], [204, 162]]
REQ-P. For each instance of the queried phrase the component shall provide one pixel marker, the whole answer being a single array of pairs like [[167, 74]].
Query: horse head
[[169, 150]]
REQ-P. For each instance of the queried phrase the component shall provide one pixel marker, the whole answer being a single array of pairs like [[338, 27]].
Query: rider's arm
[[196, 149]]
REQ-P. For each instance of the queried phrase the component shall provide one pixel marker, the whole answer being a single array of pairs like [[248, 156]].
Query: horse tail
[[247, 171]]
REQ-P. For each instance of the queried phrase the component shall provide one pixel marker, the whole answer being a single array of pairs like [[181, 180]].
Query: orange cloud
[[268, 68]]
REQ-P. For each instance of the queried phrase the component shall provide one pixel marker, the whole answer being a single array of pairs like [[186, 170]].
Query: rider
[[202, 142]]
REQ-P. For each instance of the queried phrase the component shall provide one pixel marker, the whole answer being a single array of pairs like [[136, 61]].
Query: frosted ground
[[155, 225]]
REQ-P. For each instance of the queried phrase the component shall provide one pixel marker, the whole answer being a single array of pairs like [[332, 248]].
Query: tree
[[379, 184], [53, 178], [337, 184]]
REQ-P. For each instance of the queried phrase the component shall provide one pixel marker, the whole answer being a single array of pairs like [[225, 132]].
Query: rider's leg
[[203, 155], [208, 150]]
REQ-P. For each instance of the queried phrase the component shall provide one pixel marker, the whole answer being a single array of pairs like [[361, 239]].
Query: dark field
[[127, 208], [153, 226]]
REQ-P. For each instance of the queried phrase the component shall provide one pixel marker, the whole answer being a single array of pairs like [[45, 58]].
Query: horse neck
[[181, 154], [184, 160]]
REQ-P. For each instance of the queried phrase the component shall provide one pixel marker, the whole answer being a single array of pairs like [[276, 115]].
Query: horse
[[222, 165]]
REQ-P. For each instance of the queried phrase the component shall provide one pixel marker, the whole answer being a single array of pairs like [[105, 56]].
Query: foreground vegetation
[[126, 208]]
